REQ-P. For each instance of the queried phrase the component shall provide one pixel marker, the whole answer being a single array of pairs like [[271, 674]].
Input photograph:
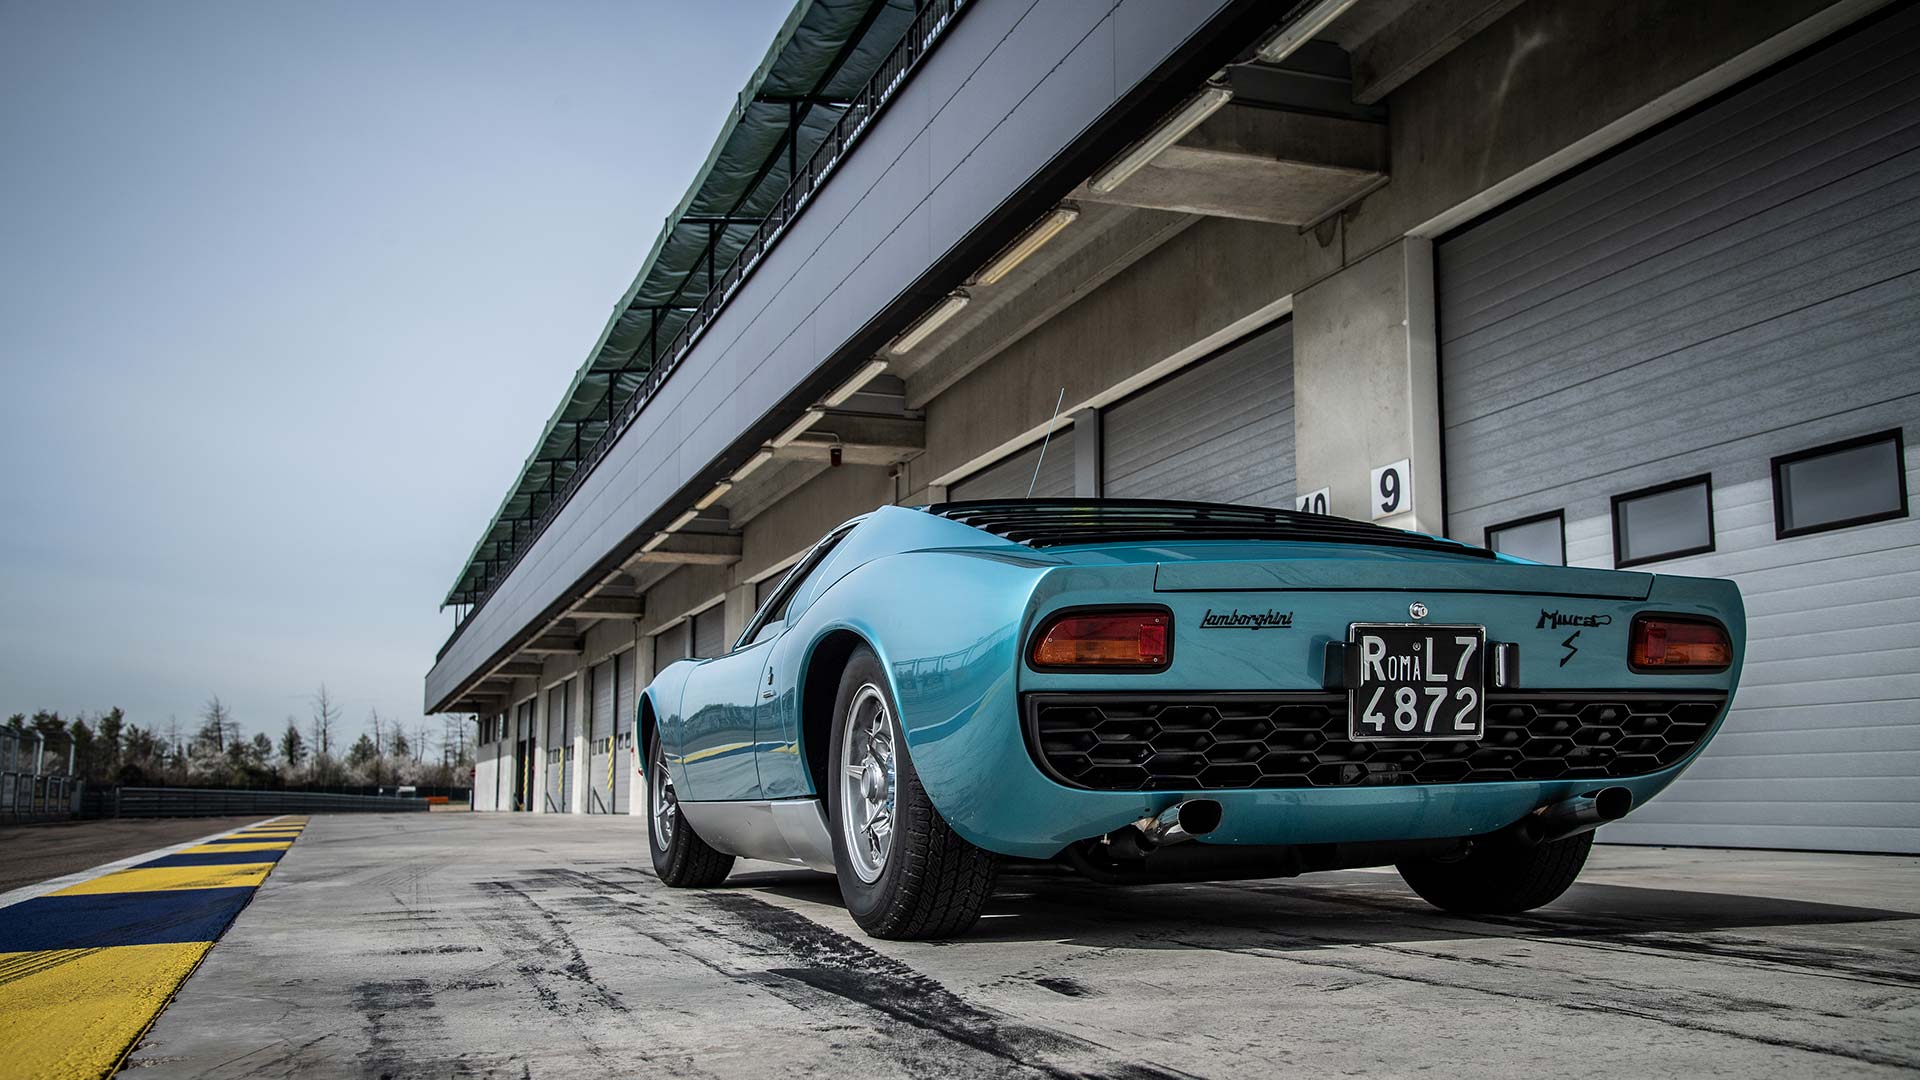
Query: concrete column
[[1365, 385], [580, 706], [537, 793], [642, 668], [736, 611], [1086, 454]]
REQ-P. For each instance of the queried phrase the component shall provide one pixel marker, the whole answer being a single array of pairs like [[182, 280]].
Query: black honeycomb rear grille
[[1155, 742]]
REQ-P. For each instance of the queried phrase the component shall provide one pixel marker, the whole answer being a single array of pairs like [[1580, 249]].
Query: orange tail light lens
[[1105, 639], [1664, 643]]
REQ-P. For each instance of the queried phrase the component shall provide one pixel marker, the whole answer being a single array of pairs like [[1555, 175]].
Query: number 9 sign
[[1392, 491]]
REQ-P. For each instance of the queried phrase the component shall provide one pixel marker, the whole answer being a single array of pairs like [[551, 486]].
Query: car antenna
[[1043, 442]]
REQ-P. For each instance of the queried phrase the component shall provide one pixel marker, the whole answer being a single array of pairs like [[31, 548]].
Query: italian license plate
[[1415, 681]]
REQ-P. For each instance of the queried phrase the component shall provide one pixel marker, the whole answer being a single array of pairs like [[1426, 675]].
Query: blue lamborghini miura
[[1163, 691]]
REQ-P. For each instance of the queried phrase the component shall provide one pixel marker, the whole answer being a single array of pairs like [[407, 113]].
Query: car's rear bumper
[[991, 779]]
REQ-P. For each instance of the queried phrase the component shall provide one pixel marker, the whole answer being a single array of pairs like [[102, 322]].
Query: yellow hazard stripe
[[264, 845], [76, 1011], [152, 878]]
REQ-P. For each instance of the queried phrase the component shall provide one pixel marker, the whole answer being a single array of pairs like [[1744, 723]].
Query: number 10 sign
[[1392, 489]]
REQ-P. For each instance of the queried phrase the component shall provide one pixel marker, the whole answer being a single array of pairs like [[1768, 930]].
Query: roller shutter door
[[1219, 431], [1742, 284], [1011, 477], [559, 750], [525, 752], [600, 741], [763, 589], [671, 644], [625, 719], [709, 633]]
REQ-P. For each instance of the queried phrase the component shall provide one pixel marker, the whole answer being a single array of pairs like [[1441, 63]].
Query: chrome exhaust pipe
[[1179, 822], [1571, 817]]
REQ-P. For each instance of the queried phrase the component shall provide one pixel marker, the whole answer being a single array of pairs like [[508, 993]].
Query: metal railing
[[144, 802], [27, 797], [28, 791], [925, 32]]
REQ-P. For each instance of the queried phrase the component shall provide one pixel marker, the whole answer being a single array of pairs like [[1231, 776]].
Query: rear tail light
[[1105, 639], [1667, 643]]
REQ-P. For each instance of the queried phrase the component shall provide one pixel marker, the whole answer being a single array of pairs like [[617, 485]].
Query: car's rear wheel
[[903, 871], [680, 857], [1500, 880]]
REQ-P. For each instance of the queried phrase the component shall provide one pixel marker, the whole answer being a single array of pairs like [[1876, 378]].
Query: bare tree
[[325, 715], [220, 727]]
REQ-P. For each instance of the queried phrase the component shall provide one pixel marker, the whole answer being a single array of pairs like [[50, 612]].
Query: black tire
[[682, 860], [1500, 880], [932, 883]]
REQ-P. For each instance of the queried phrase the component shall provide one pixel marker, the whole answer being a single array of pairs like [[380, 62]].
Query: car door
[[716, 727], [782, 768]]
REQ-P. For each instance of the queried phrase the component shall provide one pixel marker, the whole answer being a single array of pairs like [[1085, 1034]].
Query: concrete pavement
[[516, 945]]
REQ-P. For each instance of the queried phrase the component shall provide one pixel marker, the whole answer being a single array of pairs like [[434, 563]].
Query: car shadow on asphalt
[[1331, 910]]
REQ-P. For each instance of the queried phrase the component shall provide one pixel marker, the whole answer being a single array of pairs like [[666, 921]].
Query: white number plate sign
[[1392, 490]]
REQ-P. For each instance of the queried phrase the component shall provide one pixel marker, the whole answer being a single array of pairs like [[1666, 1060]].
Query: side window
[[775, 613]]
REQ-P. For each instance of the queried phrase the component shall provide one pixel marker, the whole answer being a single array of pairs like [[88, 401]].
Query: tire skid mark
[[831, 970], [559, 943], [377, 1003], [1647, 1012], [1565, 930], [1587, 931], [1691, 1010], [524, 938], [836, 964]]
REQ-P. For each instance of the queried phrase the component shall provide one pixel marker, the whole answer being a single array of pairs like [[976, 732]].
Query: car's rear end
[[1332, 692]]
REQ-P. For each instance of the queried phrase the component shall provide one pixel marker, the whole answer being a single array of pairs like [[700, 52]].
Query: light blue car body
[[949, 608]]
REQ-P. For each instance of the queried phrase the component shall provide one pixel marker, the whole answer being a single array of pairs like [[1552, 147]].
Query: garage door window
[[1840, 484], [1663, 522], [1542, 538]]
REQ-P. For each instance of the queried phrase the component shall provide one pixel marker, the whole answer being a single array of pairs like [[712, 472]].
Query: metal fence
[[932, 22], [28, 792], [145, 802]]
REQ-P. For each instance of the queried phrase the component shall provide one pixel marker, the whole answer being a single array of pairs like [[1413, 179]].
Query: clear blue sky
[[286, 294]]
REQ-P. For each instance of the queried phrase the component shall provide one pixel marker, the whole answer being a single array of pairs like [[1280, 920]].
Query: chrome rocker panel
[[781, 830]]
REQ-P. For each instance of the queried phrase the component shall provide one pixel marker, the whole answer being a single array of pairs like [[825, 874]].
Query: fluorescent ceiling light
[[1301, 30], [713, 496], [658, 539], [1029, 242], [683, 521], [852, 386], [1171, 130], [807, 420], [946, 309], [759, 458]]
